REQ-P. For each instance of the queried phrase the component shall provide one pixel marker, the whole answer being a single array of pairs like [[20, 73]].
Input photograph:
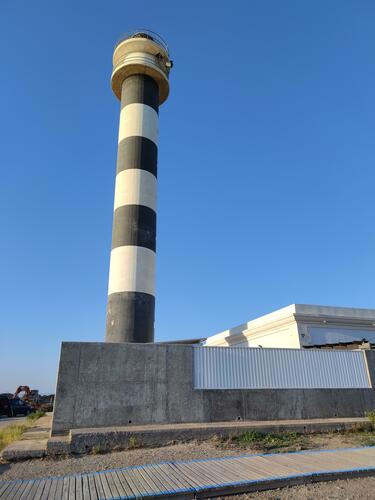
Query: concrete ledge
[[59, 445], [111, 438], [24, 449]]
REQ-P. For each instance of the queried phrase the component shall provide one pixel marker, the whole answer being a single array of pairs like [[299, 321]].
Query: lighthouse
[[140, 80]]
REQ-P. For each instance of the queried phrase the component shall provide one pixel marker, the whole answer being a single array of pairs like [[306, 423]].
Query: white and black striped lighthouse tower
[[141, 67]]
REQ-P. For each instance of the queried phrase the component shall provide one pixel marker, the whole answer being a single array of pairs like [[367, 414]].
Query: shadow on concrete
[[4, 468]]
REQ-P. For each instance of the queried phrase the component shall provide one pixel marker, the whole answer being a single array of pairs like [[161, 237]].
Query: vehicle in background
[[34, 399], [13, 406]]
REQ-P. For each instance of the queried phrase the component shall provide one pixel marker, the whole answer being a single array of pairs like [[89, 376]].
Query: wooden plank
[[221, 472], [151, 480], [65, 488], [312, 461], [168, 481], [363, 459], [92, 487], [59, 488], [273, 468], [17, 494], [242, 463], [176, 479], [157, 478], [33, 489], [119, 488], [226, 473], [182, 477], [179, 480], [125, 484], [111, 484], [85, 488], [72, 488], [4, 485], [247, 467], [99, 486], [79, 487], [26, 491], [12, 490], [366, 451], [39, 491], [327, 462], [208, 477], [304, 463], [230, 464], [195, 473], [106, 488], [53, 489], [211, 472], [322, 462], [47, 489], [255, 470], [298, 467], [187, 474], [357, 460], [196, 479], [136, 484], [258, 464], [230, 471], [142, 483]]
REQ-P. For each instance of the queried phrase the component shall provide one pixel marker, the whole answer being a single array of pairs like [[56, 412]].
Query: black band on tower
[[132, 314], [137, 152], [140, 89], [134, 225]]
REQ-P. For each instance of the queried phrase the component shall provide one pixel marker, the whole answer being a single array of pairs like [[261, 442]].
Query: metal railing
[[145, 33]]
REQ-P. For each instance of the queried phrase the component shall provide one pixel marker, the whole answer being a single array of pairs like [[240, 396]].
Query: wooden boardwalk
[[198, 478]]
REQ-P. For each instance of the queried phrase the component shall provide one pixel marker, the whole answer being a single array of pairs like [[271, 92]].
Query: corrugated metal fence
[[252, 368]]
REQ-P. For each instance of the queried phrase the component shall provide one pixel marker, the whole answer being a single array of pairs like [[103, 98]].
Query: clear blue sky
[[266, 166]]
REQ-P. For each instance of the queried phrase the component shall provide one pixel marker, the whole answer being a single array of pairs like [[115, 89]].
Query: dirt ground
[[355, 488]]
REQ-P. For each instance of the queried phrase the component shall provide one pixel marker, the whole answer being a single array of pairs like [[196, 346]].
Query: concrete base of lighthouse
[[116, 385]]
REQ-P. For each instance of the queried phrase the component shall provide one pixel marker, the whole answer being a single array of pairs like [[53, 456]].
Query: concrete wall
[[103, 384]]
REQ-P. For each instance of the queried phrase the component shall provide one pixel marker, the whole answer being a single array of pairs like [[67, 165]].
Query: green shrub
[[280, 440], [249, 437], [371, 416], [132, 442], [35, 415]]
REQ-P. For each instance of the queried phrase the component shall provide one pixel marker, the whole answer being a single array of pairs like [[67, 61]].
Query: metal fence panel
[[253, 368]]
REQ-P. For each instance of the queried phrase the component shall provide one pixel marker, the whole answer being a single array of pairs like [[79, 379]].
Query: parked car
[[11, 407]]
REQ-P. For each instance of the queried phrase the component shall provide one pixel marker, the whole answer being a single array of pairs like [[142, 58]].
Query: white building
[[300, 325]]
